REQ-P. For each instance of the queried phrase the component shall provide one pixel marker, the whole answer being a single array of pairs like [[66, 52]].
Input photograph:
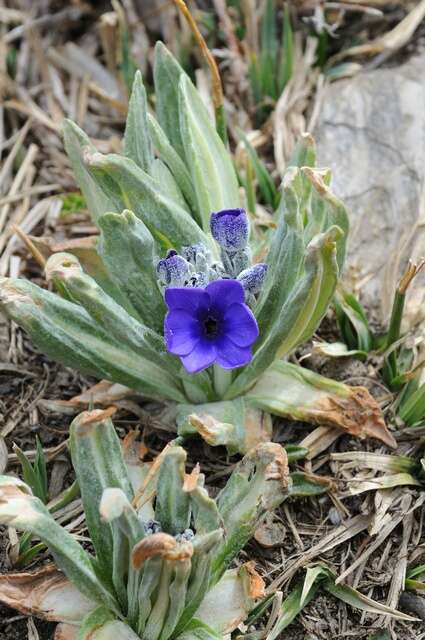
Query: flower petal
[[181, 332], [190, 299], [230, 356], [223, 293], [240, 325], [202, 356]]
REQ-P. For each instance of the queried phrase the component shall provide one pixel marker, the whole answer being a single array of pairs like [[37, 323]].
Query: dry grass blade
[[340, 535], [392, 40]]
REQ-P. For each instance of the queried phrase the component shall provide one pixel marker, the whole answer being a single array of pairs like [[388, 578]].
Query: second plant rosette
[[180, 298]]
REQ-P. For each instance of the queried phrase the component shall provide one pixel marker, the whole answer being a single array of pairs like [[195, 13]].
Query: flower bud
[[198, 256], [252, 279], [173, 271], [229, 228]]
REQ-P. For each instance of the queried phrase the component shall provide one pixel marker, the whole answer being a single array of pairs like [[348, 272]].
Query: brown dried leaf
[[162, 545], [45, 593]]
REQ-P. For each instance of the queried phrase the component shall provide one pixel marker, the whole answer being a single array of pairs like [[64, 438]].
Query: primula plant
[[182, 298], [159, 566]]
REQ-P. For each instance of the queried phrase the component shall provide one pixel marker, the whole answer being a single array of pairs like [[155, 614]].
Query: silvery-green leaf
[[258, 484], [304, 153], [174, 162], [229, 423], [131, 188], [101, 625], [172, 508], [198, 630], [162, 174], [167, 73], [65, 332], [300, 314], [226, 605], [77, 144], [177, 594], [326, 210], [285, 259], [209, 162], [99, 465], [108, 314], [137, 142], [125, 240], [21, 510], [289, 390]]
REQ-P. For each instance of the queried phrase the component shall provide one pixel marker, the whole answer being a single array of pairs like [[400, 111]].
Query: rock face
[[371, 133]]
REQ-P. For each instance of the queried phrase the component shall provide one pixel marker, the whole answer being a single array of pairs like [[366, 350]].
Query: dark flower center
[[210, 327]]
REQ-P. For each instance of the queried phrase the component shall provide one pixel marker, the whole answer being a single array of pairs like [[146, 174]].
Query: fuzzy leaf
[[65, 332], [172, 502], [21, 510], [228, 423], [209, 162], [292, 391], [167, 73], [258, 484], [137, 142], [99, 465], [77, 144], [174, 162], [125, 240], [130, 187], [300, 314]]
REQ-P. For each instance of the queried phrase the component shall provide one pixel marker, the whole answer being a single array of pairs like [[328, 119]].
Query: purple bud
[[173, 271], [229, 228], [252, 279]]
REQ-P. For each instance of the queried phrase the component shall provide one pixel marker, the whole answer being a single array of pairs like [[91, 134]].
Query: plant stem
[[222, 380]]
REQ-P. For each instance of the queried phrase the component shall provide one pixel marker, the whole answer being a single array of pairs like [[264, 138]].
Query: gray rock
[[371, 133]]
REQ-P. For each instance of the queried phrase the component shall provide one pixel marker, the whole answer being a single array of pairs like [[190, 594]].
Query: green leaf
[[292, 391], [99, 465], [287, 59], [208, 160], [265, 183], [300, 314], [176, 165], [34, 475], [359, 601], [305, 485], [251, 491], [137, 142], [161, 173], [133, 189], [352, 321], [21, 510], [290, 608], [125, 240], [109, 315], [172, 502], [167, 73], [100, 625], [65, 332], [269, 50], [229, 423], [198, 630], [304, 153], [77, 144]]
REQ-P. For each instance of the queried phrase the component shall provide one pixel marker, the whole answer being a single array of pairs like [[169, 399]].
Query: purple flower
[[229, 228], [211, 325]]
